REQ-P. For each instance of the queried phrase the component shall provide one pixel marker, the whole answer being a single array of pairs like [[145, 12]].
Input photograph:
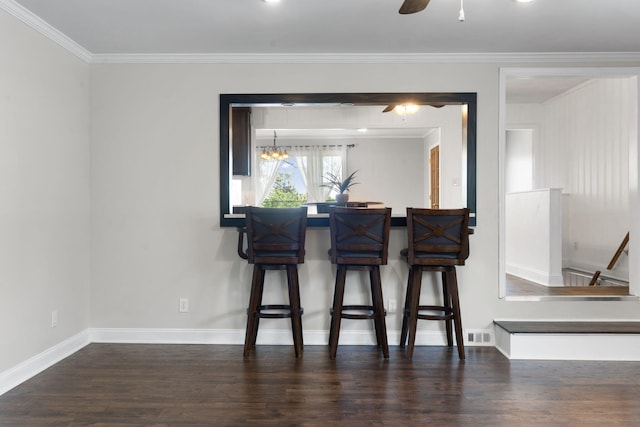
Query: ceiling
[[330, 122], [539, 89], [341, 26], [285, 135]]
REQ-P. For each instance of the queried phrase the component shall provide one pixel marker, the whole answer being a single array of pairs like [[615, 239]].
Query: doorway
[[434, 170], [583, 147]]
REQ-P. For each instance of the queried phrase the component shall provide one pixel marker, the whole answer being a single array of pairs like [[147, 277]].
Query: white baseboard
[[227, 336], [265, 336], [38, 363], [545, 278], [200, 336], [166, 336]]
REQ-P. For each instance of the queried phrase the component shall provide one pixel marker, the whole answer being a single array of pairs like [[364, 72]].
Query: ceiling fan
[[413, 6]]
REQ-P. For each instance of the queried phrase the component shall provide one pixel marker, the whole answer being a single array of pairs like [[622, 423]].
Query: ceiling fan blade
[[413, 6], [390, 107]]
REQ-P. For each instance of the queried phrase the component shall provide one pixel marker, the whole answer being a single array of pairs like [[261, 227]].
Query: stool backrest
[[438, 236], [359, 236], [276, 235]]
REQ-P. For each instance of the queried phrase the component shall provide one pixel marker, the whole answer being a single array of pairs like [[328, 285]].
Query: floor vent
[[479, 337]]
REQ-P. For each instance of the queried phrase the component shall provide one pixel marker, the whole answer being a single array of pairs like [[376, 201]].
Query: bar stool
[[438, 241], [359, 241], [275, 241]]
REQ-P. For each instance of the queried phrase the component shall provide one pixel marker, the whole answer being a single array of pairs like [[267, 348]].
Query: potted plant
[[341, 186]]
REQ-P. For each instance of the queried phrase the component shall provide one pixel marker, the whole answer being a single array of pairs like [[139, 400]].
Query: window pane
[[288, 189], [286, 183]]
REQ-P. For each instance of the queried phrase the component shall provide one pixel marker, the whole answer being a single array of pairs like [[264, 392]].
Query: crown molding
[[35, 22], [369, 58]]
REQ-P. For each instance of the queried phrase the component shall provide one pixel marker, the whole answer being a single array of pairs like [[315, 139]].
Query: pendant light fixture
[[275, 152]]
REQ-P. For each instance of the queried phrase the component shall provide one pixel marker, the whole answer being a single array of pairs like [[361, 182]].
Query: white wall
[[584, 149], [44, 193], [518, 174], [452, 177], [155, 166], [390, 171], [593, 167], [533, 241], [155, 228]]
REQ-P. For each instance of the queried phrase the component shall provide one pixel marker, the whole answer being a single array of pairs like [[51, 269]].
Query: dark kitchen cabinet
[[241, 140]]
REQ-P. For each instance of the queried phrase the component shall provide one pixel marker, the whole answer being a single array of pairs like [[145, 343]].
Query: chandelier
[[275, 152]]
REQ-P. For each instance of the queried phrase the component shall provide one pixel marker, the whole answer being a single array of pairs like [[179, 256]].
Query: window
[[300, 178]]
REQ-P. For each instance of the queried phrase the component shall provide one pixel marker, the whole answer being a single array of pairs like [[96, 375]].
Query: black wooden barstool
[[438, 241], [359, 241], [275, 241]]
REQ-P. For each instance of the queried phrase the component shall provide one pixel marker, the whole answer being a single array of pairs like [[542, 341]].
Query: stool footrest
[[368, 308], [435, 317], [276, 307], [447, 312]]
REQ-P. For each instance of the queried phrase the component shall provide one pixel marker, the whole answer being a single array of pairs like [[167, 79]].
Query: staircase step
[[562, 340]]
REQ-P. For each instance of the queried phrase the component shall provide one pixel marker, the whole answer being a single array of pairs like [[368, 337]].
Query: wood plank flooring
[[516, 286], [204, 385]]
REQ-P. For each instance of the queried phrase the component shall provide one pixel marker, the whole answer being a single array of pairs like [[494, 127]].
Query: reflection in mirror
[[567, 144], [280, 150]]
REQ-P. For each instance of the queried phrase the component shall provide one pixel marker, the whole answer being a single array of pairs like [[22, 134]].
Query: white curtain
[[314, 161], [309, 161], [267, 171]]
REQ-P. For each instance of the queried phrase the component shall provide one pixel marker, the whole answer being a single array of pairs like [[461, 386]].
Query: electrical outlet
[[54, 318], [392, 306], [184, 305]]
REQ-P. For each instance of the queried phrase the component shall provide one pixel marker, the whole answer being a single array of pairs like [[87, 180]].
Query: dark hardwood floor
[[203, 385]]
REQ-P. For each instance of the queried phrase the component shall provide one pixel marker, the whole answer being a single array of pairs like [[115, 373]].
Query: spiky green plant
[[334, 181]]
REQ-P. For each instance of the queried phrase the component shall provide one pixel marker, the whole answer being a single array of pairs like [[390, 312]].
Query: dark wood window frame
[[227, 101]]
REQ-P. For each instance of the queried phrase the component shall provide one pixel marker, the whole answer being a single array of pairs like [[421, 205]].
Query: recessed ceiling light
[[523, 1], [271, 1]]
